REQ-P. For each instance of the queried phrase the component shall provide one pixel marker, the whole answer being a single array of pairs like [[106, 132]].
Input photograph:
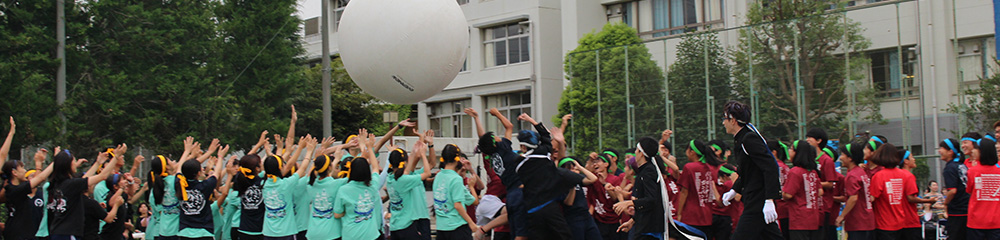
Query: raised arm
[[309, 147], [590, 177], [6, 142], [116, 202], [138, 194], [559, 149], [508, 127], [416, 155], [429, 140], [388, 135], [368, 144], [44, 174], [136, 163], [480, 130], [102, 157], [565, 122], [292, 161], [327, 142], [212, 147], [108, 168], [260, 143], [291, 130]]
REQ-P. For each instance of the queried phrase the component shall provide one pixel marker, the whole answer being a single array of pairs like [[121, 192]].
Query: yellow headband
[[349, 138], [247, 173], [184, 185], [326, 164], [29, 172], [401, 163], [274, 178]]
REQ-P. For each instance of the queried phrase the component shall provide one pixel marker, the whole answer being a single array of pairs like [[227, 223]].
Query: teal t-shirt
[[359, 203], [448, 189], [406, 200], [101, 195], [43, 228], [302, 204], [279, 215], [151, 226], [322, 193], [231, 213], [169, 211]]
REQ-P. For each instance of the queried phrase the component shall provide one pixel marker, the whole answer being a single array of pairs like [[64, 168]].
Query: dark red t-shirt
[[805, 207], [827, 173], [781, 206], [889, 187], [718, 209], [984, 197], [493, 185], [672, 190], [603, 203], [834, 208], [698, 178], [861, 217]]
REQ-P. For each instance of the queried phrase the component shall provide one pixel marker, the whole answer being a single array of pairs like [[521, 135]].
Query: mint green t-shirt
[[448, 189], [407, 201], [151, 226], [231, 213], [302, 204], [101, 195], [279, 215], [43, 228], [322, 193], [169, 211], [359, 203]]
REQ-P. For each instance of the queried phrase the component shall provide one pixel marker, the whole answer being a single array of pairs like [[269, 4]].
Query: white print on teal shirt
[[275, 204], [441, 199], [364, 207], [322, 206]]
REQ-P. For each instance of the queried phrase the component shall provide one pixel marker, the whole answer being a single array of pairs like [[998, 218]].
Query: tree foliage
[[686, 77], [782, 31], [982, 107], [608, 50]]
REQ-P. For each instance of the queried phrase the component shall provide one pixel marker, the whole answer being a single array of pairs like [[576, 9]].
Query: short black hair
[[738, 111]]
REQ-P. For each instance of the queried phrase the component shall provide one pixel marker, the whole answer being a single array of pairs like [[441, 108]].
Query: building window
[[510, 105], [621, 13], [463, 2], [886, 73], [507, 44], [339, 6], [448, 120], [974, 59], [679, 16], [311, 26]]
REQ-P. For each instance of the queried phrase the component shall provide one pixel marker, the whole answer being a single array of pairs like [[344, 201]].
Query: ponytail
[[321, 167]]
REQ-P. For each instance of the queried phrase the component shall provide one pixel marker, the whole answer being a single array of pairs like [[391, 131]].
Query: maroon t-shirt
[[718, 209], [698, 178], [494, 186], [827, 173], [861, 217], [781, 206], [805, 210], [603, 203], [672, 190]]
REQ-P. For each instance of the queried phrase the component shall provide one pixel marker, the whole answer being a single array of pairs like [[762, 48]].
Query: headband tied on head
[[611, 153], [247, 173], [953, 150], [163, 169], [184, 184], [564, 161], [401, 163], [349, 138], [639, 146], [784, 147], [326, 164], [905, 156], [989, 136], [274, 178], [29, 172], [696, 151], [726, 170], [346, 172], [973, 140], [716, 147]]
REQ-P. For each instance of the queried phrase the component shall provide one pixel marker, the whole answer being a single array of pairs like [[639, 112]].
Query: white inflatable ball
[[403, 51]]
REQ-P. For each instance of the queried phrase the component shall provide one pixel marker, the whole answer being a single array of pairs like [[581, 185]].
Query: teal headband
[[953, 150]]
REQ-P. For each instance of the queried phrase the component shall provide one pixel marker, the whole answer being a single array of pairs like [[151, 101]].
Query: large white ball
[[403, 51]]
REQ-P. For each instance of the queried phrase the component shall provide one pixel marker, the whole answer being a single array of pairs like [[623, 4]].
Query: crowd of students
[[533, 190]]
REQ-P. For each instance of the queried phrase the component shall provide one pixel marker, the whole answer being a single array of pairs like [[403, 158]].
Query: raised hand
[[327, 142], [295, 115], [188, 143], [471, 112], [495, 112], [12, 125], [41, 154], [429, 137], [120, 150], [223, 151], [263, 138], [408, 123], [557, 134], [213, 146], [138, 160], [527, 118], [102, 157]]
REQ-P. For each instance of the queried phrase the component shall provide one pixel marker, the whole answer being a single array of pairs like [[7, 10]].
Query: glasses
[[725, 118]]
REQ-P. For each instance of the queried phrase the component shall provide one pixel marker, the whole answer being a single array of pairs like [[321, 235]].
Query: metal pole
[[600, 132], [708, 95], [902, 83], [628, 102], [669, 111], [754, 106], [61, 54], [852, 117], [327, 105], [800, 89]]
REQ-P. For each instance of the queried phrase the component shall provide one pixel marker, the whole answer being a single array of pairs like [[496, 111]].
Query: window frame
[[457, 118], [505, 107], [524, 56]]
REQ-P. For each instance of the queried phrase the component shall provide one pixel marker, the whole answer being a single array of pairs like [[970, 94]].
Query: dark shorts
[[420, 229], [461, 233], [991, 234], [517, 216], [292, 237], [902, 234], [201, 238], [860, 235]]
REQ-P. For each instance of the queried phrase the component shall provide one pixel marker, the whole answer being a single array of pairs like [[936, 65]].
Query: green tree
[[644, 91], [686, 77], [982, 107], [783, 31]]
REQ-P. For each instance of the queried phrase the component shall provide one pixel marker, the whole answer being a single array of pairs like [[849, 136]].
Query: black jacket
[[758, 170], [648, 200]]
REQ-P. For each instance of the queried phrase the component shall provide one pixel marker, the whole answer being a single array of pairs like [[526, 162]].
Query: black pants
[[292, 237], [582, 225], [609, 231], [722, 227], [804, 234], [989, 234], [957, 227], [419, 229], [301, 235], [902, 234], [548, 223], [461, 233], [751, 224], [158, 238], [783, 225], [829, 231], [860, 235]]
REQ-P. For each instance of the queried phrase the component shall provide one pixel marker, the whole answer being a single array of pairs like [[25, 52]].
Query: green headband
[[702, 159], [828, 152], [726, 170], [872, 143], [716, 146], [848, 147], [611, 153], [784, 147], [564, 161], [604, 158]]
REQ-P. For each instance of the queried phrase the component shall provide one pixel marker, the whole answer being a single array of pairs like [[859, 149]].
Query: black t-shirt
[[956, 176], [196, 212], [252, 207], [114, 229], [544, 182], [93, 214], [504, 162], [25, 213], [65, 207], [579, 206]]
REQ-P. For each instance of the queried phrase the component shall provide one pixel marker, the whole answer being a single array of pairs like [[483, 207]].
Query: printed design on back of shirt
[[322, 205], [395, 202], [497, 163], [782, 175], [811, 189], [58, 203], [364, 207], [275, 204], [39, 202], [702, 185], [894, 190], [963, 173], [194, 204], [866, 182], [252, 198], [989, 187], [441, 199], [170, 203]]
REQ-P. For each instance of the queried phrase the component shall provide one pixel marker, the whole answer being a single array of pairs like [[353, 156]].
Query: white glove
[[769, 214], [728, 196]]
